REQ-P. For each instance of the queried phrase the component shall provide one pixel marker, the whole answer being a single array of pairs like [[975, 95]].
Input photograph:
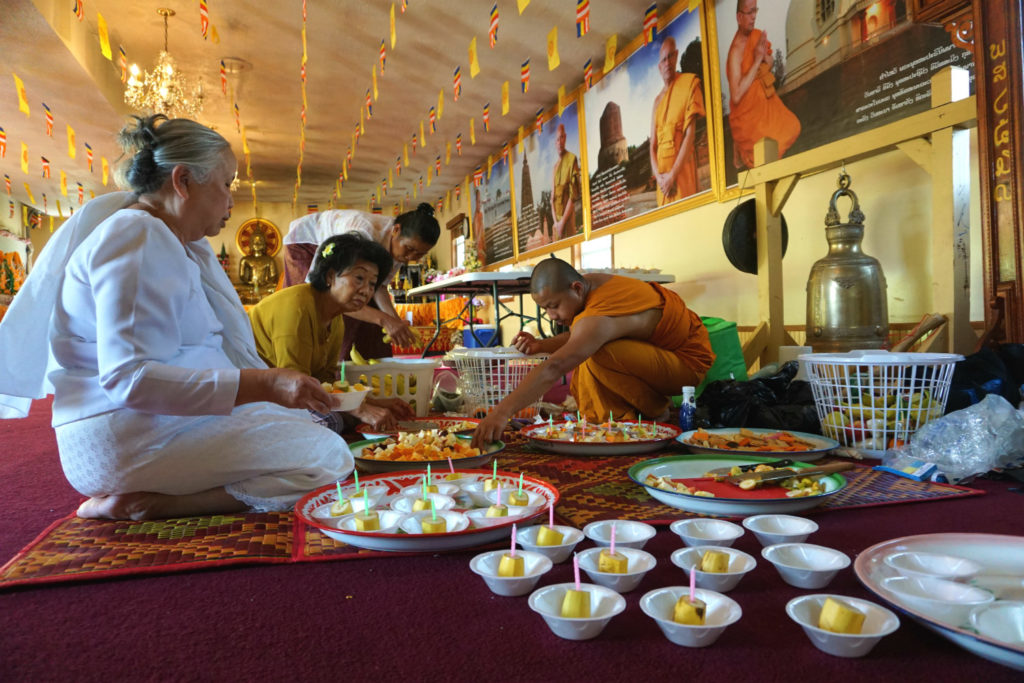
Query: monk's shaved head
[[553, 275]]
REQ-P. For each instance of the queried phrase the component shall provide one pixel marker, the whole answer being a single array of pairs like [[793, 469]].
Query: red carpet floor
[[424, 618]]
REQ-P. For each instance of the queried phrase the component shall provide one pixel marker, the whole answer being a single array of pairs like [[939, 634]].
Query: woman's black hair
[[421, 224], [343, 251]]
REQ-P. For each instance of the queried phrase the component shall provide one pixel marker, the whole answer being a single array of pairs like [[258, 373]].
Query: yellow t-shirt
[[290, 334]]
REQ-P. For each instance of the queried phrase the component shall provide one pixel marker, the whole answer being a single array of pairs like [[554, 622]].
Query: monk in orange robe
[[633, 344], [673, 128], [755, 110]]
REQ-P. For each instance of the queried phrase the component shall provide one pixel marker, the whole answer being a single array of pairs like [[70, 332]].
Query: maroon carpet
[[426, 617]]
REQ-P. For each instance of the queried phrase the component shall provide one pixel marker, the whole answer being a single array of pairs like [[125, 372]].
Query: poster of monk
[[491, 207], [646, 128], [549, 202], [810, 72]]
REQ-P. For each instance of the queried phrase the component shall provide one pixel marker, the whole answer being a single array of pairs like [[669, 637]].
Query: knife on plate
[[727, 471], [775, 476]]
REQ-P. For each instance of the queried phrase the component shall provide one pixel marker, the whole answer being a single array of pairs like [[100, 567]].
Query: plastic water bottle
[[687, 409]]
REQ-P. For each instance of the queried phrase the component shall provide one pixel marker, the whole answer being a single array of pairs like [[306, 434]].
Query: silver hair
[[152, 151]]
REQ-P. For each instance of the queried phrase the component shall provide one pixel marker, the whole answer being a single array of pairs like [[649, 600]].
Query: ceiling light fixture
[[164, 90]]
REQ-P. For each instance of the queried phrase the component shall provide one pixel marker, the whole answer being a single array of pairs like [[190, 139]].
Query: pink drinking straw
[[693, 583], [576, 569], [551, 517], [499, 494], [450, 465], [613, 539], [513, 553]]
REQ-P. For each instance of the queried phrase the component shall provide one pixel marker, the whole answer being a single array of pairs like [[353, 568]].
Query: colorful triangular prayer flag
[[474, 63], [3, 143], [457, 84], [223, 77], [492, 32], [650, 26], [487, 117], [553, 60], [540, 119], [122, 62], [49, 119], [46, 167], [79, 9], [88, 155], [204, 18], [588, 74], [524, 77], [458, 144], [383, 55], [582, 17]]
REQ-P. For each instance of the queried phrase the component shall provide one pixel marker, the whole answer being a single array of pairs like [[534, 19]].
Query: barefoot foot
[[146, 505]]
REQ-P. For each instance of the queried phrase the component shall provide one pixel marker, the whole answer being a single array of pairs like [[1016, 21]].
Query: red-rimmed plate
[[420, 423], [374, 466], [537, 434], [394, 483]]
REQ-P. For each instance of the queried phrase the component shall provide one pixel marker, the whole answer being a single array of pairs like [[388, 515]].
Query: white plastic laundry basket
[[489, 375]]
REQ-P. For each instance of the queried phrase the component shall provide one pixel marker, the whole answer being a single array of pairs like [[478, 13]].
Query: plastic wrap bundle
[[967, 442]]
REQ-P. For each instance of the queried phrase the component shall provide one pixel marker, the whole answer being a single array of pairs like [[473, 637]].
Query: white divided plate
[[666, 433], [394, 483], [1002, 564], [693, 466], [821, 444]]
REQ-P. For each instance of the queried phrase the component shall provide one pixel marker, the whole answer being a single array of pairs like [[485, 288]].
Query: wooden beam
[[920, 152], [960, 113], [755, 344], [769, 255], [781, 193]]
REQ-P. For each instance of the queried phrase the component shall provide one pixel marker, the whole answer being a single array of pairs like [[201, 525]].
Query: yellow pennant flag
[[362, 124], [101, 28], [71, 142], [405, 153], [522, 136], [429, 171], [504, 98], [448, 200], [92, 195], [31, 197], [474, 63], [609, 53], [447, 153], [245, 142], [392, 26], [423, 138], [472, 133], [214, 36], [22, 98], [64, 183], [106, 170], [391, 180], [522, 4], [553, 60], [51, 223], [561, 99], [24, 158], [60, 212], [440, 103], [374, 74], [490, 162]]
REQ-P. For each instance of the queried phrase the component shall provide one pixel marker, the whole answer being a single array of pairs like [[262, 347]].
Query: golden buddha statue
[[257, 269]]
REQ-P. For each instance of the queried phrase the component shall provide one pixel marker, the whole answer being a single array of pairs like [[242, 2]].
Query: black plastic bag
[[775, 402], [988, 371]]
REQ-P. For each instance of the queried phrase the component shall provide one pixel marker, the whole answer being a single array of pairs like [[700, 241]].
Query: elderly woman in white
[[162, 407]]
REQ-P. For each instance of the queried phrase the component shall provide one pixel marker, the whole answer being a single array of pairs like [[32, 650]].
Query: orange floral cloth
[[627, 377]]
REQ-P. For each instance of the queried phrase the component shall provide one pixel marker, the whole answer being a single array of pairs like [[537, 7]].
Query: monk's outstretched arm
[[586, 337], [739, 82]]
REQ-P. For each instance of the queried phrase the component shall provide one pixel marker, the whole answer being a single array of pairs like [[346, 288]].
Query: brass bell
[[846, 293]]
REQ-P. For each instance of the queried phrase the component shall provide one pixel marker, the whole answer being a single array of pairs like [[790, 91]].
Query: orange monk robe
[[679, 106], [631, 376], [761, 113]]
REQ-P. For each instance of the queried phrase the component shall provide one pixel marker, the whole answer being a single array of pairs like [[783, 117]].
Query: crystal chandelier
[[164, 90]]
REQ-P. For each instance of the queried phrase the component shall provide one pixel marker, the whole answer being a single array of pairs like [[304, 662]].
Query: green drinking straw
[[341, 498], [520, 483], [433, 510], [428, 474], [609, 418], [424, 488], [356, 473], [366, 502], [495, 475]]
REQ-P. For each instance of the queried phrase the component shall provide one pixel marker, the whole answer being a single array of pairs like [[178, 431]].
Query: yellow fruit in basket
[[357, 357], [389, 383], [387, 338], [400, 385], [358, 386], [373, 361], [834, 424], [340, 385]]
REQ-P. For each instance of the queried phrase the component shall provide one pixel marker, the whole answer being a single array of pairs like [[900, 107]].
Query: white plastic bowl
[[604, 604], [535, 499], [527, 538], [404, 502], [947, 601], [878, 623], [721, 612], [373, 493], [628, 534], [534, 566], [389, 522], [1002, 621], [805, 565], [444, 488], [775, 529], [479, 518], [455, 521], [476, 493], [740, 564], [932, 565], [706, 531], [639, 563]]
